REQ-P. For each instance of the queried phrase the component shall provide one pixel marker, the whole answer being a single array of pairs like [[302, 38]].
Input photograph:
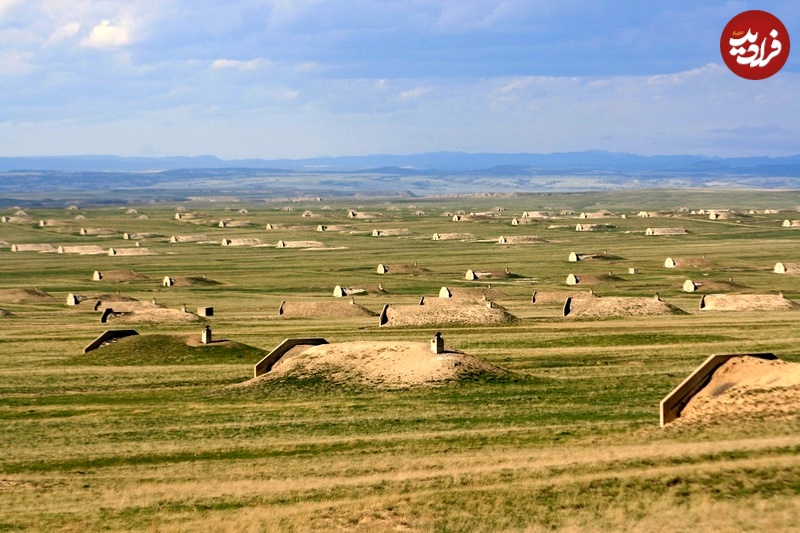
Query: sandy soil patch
[[98, 231], [42, 248], [83, 250], [443, 313], [747, 387], [242, 242], [390, 232], [521, 239], [666, 231], [235, 223], [453, 237], [51, 222], [334, 309], [122, 275], [364, 215], [23, 295], [386, 364], [325, 227], [188, 238], [787, 268], [746, 302], [537, 214], [558, 297], [156, 314], [140, 236], [686, 262], [300, 244], [475, 275], [593, 227], [19, 220], [620, 306], [465, 295], [130, 251]]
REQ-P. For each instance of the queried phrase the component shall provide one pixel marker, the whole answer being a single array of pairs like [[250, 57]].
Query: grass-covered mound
[[194, 281], [149, 350]]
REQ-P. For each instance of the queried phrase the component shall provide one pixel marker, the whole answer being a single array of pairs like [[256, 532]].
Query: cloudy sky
[[301, 78]]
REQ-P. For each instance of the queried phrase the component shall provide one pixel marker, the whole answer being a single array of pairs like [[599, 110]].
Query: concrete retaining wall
[[108, 336], [266, 364], [672, 405]]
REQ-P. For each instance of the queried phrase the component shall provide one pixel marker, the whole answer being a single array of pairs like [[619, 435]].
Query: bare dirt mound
[[620, 306], [393, 232], [235, 223], [104, 300], [447, 313], [521, 239], [747, 387], [687, 262], [125, 306], [112, 297], [98, 231], [23, 295], [155, 314], [453, 236], [50, 222], [477, 275], [188, 238], [130, 251], [91, 249], [43, 248], [666, 231], [300, 244], [123, 275], [558, 297], [746, 302], [388, 364], [243, 242], [323, 310], [325, 227]]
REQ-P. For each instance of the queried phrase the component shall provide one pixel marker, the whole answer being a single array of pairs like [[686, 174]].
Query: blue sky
[[302, 78]]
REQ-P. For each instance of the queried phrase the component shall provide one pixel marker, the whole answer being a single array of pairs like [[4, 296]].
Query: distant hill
[[178, 178], [434, 162]]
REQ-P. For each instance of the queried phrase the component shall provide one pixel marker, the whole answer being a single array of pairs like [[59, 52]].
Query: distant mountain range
[[386, 175], [427, 163]]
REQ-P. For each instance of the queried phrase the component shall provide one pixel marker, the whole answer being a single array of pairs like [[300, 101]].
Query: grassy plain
[[570, 442]]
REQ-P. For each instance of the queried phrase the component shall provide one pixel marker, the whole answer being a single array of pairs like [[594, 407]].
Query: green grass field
[[155, 439]]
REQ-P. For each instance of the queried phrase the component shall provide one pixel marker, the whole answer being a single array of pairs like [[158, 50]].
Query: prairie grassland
[[570, 441]]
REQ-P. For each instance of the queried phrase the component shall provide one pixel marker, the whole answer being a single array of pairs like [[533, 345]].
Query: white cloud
[[309, 67], [15, 63], [6, 5], [413, 94], [62, 33], [108, 35], [235, 64]]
